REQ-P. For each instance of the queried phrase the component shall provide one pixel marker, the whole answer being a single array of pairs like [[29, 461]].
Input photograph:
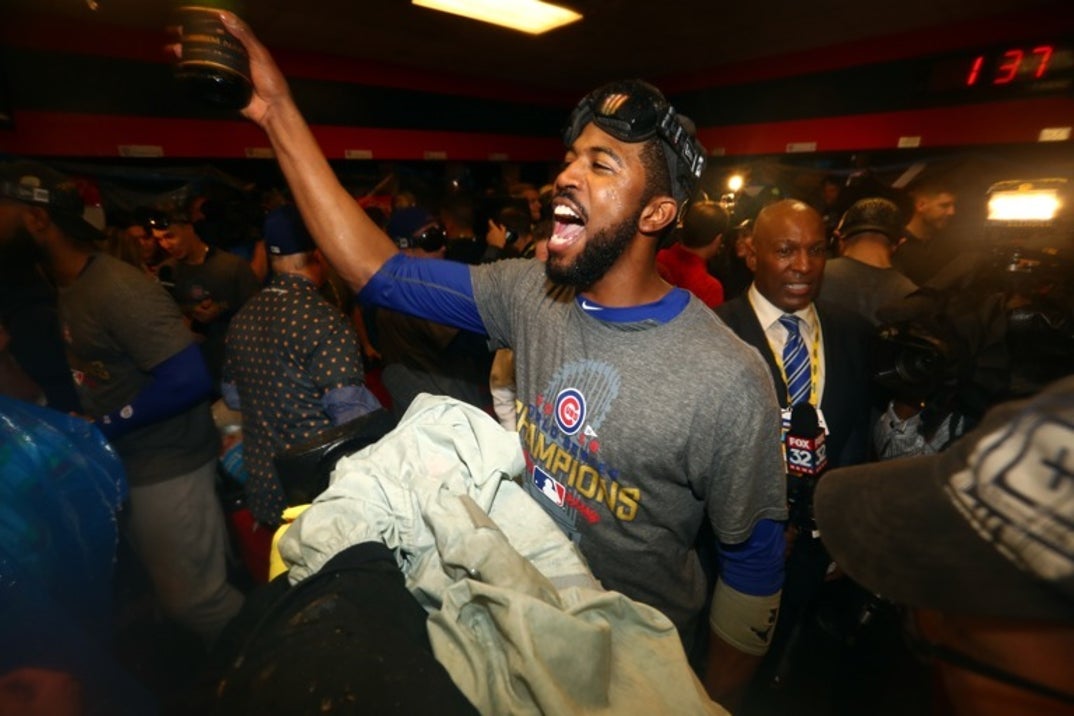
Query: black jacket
[[847, 388]]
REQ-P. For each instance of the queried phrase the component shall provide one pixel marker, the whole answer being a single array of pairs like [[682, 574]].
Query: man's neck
[[920, 229], [310, 274], [197, 255], [66, 263], [701, 253], [459, 232], [768, 312], [632, 281], [871, 253]]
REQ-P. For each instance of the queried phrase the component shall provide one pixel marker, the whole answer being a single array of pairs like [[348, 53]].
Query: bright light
[[734, 183], [1023, 205], [532, 16]]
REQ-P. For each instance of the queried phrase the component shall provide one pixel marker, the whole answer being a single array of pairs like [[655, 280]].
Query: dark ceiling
[[650, 38]]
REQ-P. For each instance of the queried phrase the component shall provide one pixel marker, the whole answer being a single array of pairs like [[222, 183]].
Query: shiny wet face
[[787, 255], [596, 208]]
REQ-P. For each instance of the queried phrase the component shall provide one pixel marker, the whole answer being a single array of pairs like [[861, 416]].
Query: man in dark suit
[[787, 255]]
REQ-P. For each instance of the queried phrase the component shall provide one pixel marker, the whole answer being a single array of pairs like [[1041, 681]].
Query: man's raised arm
[[353, 244]]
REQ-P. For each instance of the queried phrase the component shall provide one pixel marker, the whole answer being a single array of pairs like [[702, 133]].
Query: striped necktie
[[795, 361]]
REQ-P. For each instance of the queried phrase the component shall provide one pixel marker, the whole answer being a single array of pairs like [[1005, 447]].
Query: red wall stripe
[[53, 34], [89, 135], [1012, 122], [64, 134]]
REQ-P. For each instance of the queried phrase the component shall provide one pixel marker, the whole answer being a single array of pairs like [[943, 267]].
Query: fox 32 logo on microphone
[[806, 456]]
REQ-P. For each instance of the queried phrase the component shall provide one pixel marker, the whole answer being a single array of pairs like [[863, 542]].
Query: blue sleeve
[[435, 289], [230, 393], [342, 405], [178, 383], [755, 566]]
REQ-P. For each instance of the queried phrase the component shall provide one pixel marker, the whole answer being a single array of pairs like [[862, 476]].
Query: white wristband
[[744, 621]]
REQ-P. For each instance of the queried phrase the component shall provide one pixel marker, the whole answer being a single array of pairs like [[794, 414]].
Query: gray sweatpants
[[177, 529]]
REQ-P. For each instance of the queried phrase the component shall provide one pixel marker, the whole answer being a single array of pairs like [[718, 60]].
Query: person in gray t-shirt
[[142, 381], [639, 414], [862, 279]]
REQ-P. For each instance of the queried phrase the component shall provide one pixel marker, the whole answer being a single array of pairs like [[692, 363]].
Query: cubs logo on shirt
[[570, 410]]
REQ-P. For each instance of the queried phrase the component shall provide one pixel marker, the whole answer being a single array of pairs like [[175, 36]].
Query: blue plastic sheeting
[[61, 487]]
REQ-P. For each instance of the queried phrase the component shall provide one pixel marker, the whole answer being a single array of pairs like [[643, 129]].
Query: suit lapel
[[753, 333]]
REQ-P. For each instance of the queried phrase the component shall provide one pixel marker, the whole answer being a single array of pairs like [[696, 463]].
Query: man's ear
[[657, 214], [840, 243], [751, 254], [716, 246]]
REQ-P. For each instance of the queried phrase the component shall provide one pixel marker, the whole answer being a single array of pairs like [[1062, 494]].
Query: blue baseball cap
[[404, 223], [285, 233]]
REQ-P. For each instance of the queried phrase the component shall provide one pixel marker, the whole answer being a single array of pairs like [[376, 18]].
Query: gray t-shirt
[[635, 431], [118, 324], [223, 277], [862, 288]]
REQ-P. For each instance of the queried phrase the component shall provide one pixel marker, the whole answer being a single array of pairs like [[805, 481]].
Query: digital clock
[[1030, 68], [1015, 63]]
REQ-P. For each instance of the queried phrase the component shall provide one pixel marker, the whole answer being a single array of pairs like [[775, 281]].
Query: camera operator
[[995, 324], [975, 543]]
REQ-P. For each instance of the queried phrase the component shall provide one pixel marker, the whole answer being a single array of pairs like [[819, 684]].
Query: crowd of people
[[684, 377]]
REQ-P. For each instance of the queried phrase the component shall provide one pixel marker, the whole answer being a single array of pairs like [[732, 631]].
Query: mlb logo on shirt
[[549, 487]]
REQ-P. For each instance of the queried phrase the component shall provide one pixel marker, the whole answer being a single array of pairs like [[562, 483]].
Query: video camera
[[998, 323]]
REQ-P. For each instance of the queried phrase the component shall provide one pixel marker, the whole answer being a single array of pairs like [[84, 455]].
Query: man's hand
[[351, 242], [728, 672], [905, 410], [372, 355], [270, 87], [497, 235], [207, 311]]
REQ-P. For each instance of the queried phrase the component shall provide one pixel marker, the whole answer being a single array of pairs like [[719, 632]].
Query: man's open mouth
[[568, 228]]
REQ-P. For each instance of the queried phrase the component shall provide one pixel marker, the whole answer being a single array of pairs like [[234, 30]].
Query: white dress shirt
[[809, 326]]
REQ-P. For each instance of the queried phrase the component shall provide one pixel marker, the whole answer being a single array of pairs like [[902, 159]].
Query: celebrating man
[[629, 390]]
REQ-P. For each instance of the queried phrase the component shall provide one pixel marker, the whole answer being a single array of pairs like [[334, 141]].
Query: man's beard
[[601, 251]]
